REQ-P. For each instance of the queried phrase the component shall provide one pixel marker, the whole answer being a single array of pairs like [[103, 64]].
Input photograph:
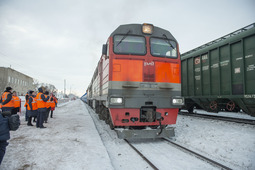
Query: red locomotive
[[136, 87]]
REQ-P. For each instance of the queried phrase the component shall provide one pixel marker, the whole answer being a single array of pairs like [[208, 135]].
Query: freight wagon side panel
[[184, 78], [215, 78], [249, 53], [237, 68], [225, 70], [191, 83], [205, 74]]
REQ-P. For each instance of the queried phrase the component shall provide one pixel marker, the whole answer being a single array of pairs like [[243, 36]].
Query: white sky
[[53, 40]]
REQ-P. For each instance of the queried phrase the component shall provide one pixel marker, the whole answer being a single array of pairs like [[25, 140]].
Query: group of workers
[[37, 105]]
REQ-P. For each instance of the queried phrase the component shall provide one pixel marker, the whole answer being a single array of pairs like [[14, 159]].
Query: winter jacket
[[4, 129], [7, 100]]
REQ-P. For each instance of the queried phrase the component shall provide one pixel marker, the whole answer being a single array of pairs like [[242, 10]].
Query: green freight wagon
[[220, 75]]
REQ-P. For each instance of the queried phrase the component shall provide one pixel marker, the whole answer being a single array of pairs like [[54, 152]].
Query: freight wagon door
[[237, 68]]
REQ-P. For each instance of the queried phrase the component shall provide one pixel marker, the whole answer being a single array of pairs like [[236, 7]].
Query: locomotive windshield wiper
[[123, 37], [167, 40]]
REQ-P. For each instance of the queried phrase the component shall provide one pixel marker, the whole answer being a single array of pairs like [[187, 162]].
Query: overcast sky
[[53, 40]]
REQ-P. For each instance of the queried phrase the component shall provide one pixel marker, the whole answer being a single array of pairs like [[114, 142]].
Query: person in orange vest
[[7, 100], [48, 105], [41, 108], [31, 108], [55, 100], [17, 103], [0, 106], [53, 104], [25, 105]]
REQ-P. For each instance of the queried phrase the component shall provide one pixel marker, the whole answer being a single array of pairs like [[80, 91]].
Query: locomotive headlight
[[116, 100], [178, 101], [147, 28]]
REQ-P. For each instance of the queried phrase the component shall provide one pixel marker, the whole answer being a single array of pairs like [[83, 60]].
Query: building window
[[9, 79]]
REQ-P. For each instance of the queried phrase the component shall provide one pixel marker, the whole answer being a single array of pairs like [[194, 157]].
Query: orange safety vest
[[52, 104], [26, 103], [40, 102], [48, 105], [55, 99], [34, 104], [16, 101], [10, 103]]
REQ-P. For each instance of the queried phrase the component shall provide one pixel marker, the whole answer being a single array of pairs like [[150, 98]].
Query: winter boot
[[29, 123]]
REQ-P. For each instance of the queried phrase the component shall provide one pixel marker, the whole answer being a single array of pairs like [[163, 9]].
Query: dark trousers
[[47, 115], [3, 145], [15, 110], [26, 116], [51, 113], [40, 117], [5, 109]]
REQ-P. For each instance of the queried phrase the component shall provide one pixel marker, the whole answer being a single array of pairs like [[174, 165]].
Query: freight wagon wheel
[[191, 109], [213, 106], [230, 106]]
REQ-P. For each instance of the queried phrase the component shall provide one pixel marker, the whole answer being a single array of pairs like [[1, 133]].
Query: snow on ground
[[70, 141], [231, 144]]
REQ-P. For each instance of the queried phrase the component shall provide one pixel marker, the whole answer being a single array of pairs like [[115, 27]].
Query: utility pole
[[64, 87]]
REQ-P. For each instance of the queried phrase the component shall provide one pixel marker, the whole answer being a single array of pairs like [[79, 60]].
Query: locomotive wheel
[[111, 125], [107, 116], [230, 106], [100, 116], [213, 105], [101, 113]]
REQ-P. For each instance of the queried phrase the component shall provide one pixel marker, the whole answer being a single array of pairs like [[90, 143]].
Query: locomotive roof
[[136, 29]]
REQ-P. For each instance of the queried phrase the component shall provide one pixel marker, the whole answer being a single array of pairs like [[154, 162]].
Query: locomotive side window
[[163, 48], [128, 44]]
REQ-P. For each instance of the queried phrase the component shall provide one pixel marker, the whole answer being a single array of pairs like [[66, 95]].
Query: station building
[[19, 82]]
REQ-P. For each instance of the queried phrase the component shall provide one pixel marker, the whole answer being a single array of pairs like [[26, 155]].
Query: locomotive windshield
[[128, 44], [163, 48]]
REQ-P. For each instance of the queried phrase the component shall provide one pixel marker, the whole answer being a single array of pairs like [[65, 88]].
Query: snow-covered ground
[[70, 141], [232, 144], [76, 139]]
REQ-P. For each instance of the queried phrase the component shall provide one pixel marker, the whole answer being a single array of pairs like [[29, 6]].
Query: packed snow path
[[70, 141]]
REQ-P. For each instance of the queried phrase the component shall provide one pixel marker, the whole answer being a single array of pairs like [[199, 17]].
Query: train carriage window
[[163, 48], [128, 44]]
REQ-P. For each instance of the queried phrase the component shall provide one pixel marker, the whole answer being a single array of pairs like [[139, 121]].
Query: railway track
[[144, 158], [183, 149], [222, 118], [210, 161]]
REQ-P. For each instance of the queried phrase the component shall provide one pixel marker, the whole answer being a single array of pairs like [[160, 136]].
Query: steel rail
[[222, 118], [212, 162], [144, 158]]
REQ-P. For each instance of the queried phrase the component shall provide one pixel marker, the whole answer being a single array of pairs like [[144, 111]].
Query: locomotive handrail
[[221, 39]]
